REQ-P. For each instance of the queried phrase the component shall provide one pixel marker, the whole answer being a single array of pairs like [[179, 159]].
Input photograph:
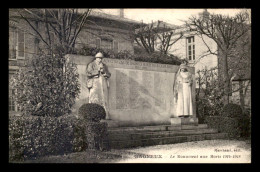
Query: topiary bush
[[232, 121], [232, 111], [96, 131], [224, 124], [97, 135], [92, 112]]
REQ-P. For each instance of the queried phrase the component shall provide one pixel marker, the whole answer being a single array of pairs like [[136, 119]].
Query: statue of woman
[[182, 92], [97, 82]]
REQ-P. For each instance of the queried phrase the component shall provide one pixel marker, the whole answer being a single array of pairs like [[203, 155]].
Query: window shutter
[[20, 44], [12, 44], [115, 46], [98, 42]]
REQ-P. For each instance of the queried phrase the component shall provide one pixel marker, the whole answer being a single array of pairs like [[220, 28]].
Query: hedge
[[232, 110], [235, 127], [155, 57], [34, 136]]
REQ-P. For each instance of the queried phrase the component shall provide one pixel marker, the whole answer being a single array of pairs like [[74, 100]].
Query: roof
[[93, 13], [113, 17], [167, 25]]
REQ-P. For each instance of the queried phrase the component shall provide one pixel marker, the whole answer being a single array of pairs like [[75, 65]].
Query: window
[[11, 100], [115, 44], [20, 44], [190, 48], [16, 44], [12, 43], [98, 43], [106, 44]]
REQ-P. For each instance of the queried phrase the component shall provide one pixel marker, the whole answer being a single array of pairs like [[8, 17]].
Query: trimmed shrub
[[245, 125], [155, 57], [92, 112], [96, 131], [97, 134], [232, 110], [235, 127], [224, 124], [34, 136], [158, 58]]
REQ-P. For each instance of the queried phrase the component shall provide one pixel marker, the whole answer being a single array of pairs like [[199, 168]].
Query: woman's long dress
[[184, 101]]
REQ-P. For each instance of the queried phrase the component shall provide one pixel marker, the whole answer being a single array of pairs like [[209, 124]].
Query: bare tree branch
[[34, 29]]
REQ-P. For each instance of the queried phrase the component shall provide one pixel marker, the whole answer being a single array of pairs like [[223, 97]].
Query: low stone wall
[[140, 93]]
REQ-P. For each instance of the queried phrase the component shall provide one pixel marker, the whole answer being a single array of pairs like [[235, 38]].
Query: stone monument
[[139, 93]]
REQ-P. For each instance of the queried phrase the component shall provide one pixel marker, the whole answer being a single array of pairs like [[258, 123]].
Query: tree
[[147, 36], [45, 88], [209, 94], [225, 31], [48, 85], [66, 24]]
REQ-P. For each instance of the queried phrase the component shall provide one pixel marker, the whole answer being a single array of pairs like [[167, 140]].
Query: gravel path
[[208, 151]]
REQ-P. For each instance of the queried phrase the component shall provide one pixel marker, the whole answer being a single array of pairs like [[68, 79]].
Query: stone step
[[158, 134], [156, 128], [192, 127], [165, 140]]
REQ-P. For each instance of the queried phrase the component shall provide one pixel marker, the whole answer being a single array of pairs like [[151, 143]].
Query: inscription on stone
[[147, 89], [135, 100], [122, 86], [158, 90]]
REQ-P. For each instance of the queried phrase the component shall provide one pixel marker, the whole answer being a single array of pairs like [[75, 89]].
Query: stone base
[[189, 121], [175, 121], [111, 123]]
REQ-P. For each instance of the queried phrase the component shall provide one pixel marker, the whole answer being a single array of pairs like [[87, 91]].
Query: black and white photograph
[[129, 85]]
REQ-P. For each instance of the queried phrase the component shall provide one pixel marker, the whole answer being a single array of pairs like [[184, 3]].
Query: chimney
[[205, 14], [121, 13]]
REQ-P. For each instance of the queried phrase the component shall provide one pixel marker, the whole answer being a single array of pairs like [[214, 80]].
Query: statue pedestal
[[184, 121], [175, 122], [189, 121], [111, 123]]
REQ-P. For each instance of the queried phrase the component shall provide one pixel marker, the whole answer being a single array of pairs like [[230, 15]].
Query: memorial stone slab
[[140, 93]]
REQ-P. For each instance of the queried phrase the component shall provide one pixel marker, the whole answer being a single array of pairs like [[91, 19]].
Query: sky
[[172, 16]]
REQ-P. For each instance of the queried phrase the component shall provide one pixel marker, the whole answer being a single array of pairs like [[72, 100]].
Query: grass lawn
[[208, 151]]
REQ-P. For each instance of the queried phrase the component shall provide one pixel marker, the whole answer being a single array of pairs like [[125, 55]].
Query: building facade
[[195, 49]]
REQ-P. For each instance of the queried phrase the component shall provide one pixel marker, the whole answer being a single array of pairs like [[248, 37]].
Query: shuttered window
[[20, 44], [98, 43], [106, 44], [12, 43], [115, 44]]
